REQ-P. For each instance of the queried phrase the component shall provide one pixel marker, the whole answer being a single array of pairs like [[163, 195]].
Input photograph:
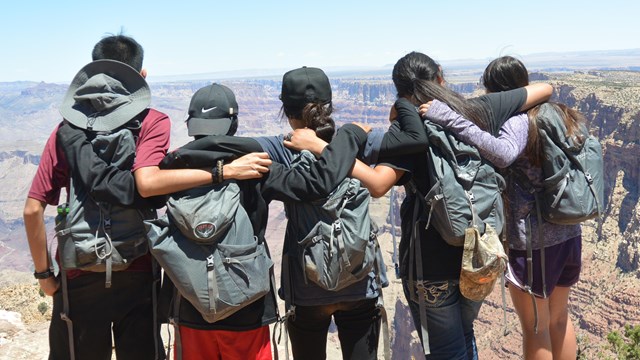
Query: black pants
[[358, 325], [126, 308]]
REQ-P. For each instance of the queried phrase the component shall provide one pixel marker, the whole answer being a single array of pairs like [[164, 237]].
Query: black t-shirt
[[280, 183], [440, 261]]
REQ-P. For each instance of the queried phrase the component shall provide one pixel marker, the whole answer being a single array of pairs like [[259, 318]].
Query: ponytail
[[474, 110], [315, 116]]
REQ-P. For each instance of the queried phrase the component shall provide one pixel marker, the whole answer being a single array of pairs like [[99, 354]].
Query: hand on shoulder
[[304, 139]]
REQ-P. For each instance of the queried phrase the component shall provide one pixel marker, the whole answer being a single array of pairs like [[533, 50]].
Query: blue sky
[[51, 40]]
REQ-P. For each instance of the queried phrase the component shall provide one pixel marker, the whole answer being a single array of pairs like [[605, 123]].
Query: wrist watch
[[43, 275]]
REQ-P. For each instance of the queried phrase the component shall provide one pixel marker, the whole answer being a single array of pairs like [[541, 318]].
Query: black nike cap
[[212, 110]]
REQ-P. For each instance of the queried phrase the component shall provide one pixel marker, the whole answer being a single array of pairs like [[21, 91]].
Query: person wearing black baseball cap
[[307, 104], [212, 114], [213, 111], [306, 101]]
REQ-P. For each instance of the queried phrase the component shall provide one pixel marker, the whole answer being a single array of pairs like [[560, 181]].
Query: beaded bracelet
[[216, 172], [220, 166]]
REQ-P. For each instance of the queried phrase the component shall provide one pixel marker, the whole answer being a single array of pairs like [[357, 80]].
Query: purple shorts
[[562, 266]]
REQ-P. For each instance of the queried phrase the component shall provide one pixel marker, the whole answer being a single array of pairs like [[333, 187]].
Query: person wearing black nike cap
[[245, 333], [214, 102], [307, 104]]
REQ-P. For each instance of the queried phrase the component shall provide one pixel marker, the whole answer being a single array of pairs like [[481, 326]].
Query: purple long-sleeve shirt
[[503, 151]]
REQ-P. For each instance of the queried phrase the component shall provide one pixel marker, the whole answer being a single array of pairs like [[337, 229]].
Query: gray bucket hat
[[104, 95]]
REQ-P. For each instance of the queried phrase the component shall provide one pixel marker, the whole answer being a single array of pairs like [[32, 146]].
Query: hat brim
[[474, 290], [84, 116], [198, 126]]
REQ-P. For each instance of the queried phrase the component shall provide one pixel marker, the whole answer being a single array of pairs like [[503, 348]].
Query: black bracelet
[[214, 174], [43, 275]]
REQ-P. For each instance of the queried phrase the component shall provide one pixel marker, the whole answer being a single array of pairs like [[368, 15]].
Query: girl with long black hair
[[549, 334]]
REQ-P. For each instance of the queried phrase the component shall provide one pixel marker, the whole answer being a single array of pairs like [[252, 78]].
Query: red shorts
[[225, 345]]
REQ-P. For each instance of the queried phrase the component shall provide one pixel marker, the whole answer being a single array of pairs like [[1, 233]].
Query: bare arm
[[37, 237], [377, 180], [152, 180], [305, 139], [536, 94]]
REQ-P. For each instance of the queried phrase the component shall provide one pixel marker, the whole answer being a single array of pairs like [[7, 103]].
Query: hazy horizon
[[51, 41]]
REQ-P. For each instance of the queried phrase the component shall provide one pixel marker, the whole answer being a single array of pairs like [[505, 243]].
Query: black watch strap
[[43, 275]]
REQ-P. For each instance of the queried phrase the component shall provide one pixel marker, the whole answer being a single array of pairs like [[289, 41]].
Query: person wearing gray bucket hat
[[107, 94], [104, 95]]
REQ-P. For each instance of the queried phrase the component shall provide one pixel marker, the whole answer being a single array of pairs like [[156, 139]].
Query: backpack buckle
[[210, 261], [589, 177], [470, 195]]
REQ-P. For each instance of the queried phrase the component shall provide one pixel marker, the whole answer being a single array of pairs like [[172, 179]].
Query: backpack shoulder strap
[[415, 259]]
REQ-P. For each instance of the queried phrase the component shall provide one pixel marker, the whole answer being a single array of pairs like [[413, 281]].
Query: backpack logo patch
[[204, 230]]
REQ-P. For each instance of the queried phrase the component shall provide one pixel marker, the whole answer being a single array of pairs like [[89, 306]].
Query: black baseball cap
[[212, 110], [305, 85]]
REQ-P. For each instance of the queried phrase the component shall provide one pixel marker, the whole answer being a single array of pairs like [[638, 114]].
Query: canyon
[[606, 298]]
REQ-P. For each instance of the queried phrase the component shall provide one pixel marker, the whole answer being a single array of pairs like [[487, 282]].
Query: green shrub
[[43, 307], [626, 346]]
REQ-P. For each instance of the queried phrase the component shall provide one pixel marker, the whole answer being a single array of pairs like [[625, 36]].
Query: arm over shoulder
[[325, 174], [411, 139], [502, 150]]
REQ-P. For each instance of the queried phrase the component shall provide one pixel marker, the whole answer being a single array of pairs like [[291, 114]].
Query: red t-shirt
[[53, 171]]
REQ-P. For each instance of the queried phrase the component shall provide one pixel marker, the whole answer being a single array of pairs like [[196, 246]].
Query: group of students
[[496, 123]]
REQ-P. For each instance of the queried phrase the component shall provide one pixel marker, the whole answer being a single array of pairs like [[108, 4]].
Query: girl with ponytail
[[418, 79]]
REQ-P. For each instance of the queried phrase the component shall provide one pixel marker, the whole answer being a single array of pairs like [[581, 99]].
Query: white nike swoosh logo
[[207, 110]]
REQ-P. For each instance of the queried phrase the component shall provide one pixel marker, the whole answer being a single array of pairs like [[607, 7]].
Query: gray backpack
[[572, 189], [340, 245], [462, 183], [98, 236], [573, 171], [465, 193], [206, 246]]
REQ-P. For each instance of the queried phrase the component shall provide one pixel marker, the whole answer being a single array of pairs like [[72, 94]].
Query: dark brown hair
[[505, 73], [572, 121], [315, 116]]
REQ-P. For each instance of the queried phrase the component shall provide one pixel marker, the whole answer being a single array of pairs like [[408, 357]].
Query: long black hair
[[417, 76], [508, 73]]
